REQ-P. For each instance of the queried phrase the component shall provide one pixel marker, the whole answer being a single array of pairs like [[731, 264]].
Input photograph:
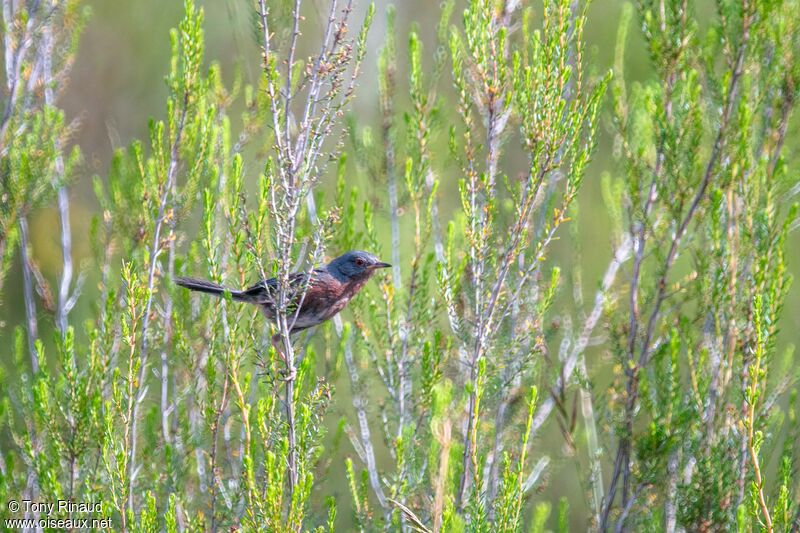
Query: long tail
[[209, 287]]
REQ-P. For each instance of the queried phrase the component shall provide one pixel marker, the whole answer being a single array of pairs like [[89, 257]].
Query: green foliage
[[33, 163], [701, 147]]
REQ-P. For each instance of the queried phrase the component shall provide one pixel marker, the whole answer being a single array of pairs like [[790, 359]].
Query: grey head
[[355, 265]]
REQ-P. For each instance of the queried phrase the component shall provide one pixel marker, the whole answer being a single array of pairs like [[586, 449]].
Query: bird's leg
[[289, 373]]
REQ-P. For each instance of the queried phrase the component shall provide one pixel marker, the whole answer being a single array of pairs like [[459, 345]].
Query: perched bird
[[320, 294]]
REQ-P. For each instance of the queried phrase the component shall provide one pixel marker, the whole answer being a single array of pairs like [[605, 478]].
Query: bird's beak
[[381, 265]]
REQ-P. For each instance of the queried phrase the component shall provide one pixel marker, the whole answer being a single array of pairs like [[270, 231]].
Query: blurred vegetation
[[589, 213]]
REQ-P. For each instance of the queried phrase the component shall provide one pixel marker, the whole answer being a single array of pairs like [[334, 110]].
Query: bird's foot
[[288, 374]]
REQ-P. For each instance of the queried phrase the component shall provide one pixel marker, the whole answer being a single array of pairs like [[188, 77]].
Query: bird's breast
[[324, 297]]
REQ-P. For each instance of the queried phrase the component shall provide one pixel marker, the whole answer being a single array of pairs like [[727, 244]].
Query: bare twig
[[413, 519], [363, 423], [621, 254], [63, 195], [27, 289], [15, 57]]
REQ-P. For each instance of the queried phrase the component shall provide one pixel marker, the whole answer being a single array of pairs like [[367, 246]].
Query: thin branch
[[622, 461], [155, 250], [65, 282], [621, 255], [363, 423], [27, 290], [15, 57]]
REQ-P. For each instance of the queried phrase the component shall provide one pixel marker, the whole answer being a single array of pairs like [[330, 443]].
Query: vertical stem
[[670, 510], [287, 96], [389, 163], [441, 477], [290, 423], [66, 253], [759, 481], [33, 334], [363, 422], [752, 398], [594, 451], [63, 195], [27, 288], [165, 407], [155, 250], [214, 437], [287, 352], [15, 56]]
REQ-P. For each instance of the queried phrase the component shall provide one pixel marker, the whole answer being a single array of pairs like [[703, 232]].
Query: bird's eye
[[360, 262]]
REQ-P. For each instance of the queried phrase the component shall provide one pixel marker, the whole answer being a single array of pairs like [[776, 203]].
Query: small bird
[[320, 294]]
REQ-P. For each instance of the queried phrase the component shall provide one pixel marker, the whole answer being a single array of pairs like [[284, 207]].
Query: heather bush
[[487, 361]]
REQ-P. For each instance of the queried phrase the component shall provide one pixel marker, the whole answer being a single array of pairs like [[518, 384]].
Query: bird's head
[[355, 265]]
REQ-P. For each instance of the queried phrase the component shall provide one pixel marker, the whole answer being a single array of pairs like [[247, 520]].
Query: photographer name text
[[60, 507]]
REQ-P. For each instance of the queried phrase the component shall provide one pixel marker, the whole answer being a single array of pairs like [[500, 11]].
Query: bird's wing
[[264, 291]]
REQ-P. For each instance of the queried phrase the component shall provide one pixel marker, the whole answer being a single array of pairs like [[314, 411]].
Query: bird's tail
[[209, 287]]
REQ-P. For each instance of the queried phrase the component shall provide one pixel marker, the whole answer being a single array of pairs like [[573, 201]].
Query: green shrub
[[426, 406]]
